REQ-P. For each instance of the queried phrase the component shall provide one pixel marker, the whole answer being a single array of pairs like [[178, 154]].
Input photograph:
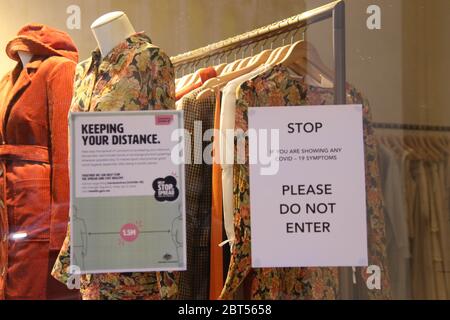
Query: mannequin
[[110, 30], [25, 57], [148, 72]]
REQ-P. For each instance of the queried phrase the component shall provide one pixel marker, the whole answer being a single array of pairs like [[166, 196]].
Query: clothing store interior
[[210, 61]]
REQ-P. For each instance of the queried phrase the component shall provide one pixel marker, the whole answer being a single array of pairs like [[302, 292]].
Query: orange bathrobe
[[34, 183]]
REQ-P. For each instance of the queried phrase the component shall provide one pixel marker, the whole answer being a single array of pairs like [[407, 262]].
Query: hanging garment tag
[[308, 186]]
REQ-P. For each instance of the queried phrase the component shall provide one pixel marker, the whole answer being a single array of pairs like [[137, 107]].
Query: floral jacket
[[135, 76], [277, 87]]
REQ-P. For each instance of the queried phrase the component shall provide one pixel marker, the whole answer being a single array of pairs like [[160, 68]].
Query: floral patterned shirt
[[135, 76], [277, 87]]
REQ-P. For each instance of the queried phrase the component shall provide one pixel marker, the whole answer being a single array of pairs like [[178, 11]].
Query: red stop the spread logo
[[164, 120]]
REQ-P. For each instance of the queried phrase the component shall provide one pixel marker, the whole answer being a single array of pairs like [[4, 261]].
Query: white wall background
[[401, 68]]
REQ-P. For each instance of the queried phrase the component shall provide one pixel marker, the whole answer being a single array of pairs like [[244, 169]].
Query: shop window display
[[299, 54]]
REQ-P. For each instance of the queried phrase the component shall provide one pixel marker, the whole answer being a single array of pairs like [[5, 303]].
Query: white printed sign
[[316, 215]]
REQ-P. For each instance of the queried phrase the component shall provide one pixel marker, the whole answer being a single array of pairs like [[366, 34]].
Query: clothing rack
[[334, 10], [410, 127]]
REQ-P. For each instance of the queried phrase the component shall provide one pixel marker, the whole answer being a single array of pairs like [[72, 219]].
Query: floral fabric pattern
[[276, 88], [135, 76]]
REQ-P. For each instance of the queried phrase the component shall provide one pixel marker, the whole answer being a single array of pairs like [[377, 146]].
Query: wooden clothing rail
[[334, 10]]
